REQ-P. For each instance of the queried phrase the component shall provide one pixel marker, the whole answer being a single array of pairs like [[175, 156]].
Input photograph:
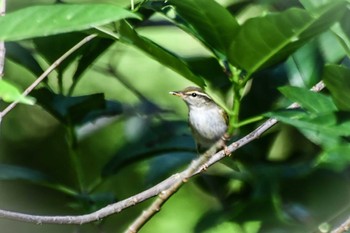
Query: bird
[[207, 120]]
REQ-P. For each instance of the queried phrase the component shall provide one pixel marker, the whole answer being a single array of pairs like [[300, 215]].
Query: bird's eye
[[193, 94]]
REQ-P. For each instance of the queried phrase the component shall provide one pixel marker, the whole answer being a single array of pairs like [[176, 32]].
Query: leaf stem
[[74, 155], [237, 86]]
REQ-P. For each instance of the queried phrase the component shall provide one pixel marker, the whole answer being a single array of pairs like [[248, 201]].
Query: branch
[[2, 43], [201, 164], [344, 227], [155, 190], [48, 71], [195, 167]]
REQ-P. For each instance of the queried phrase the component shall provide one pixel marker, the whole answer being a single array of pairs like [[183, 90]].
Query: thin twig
[[153, 191], [48, 71]]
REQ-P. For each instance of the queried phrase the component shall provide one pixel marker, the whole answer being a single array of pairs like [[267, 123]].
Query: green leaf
[[337, 80], [211, 71], [24, 57], [47, 20], [207, 21], [11, 172], [304, 67], [10, 93], [336, 158], [327, 129], [311, 101], [129, 36], [78, 109], [267, 40]]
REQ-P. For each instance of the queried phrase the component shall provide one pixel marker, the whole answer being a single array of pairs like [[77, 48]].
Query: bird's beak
[[176, 93]]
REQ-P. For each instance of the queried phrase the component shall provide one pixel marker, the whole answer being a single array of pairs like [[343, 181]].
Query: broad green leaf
[[337, 80], [129, 36], [24, 57], [10, 93], [267, 40], [47, 20], [304, 67], [78, 109], [210, 69], [311, 101], [327, 129], [206, 20]]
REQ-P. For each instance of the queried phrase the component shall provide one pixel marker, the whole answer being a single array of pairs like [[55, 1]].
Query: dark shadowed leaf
[[23, 56], [211, 71], [78, 109], [152, 141], [52, 47], [11, 172]]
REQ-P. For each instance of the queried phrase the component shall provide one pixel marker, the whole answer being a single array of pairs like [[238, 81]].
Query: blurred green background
[[275, 186]]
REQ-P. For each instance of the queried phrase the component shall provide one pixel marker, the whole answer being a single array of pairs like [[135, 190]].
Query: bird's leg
[[225, 138]]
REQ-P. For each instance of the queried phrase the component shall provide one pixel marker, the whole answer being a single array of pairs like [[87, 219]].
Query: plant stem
[[237, 86], [74, 155]]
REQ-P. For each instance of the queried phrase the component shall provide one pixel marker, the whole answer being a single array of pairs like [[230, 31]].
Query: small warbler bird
[[207, 119]]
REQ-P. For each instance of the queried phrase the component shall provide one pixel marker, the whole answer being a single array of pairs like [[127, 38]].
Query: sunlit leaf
[[311, 101], [327, 128], [129, 36], [267, 40], [207, 21], [10, 93], [44, 20], [305, 65]]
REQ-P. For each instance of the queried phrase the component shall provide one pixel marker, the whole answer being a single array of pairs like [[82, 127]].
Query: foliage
[[102, 127]]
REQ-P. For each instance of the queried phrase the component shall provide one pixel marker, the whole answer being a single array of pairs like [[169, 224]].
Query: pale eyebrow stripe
[[199, 93]]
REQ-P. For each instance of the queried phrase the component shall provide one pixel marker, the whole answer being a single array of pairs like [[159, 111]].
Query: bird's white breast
[[208, 124]]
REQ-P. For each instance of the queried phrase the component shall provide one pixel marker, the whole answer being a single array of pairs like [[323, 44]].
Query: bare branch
[[48, 71], [201, 164], [2, 43], [344, 227], [174, 181]]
